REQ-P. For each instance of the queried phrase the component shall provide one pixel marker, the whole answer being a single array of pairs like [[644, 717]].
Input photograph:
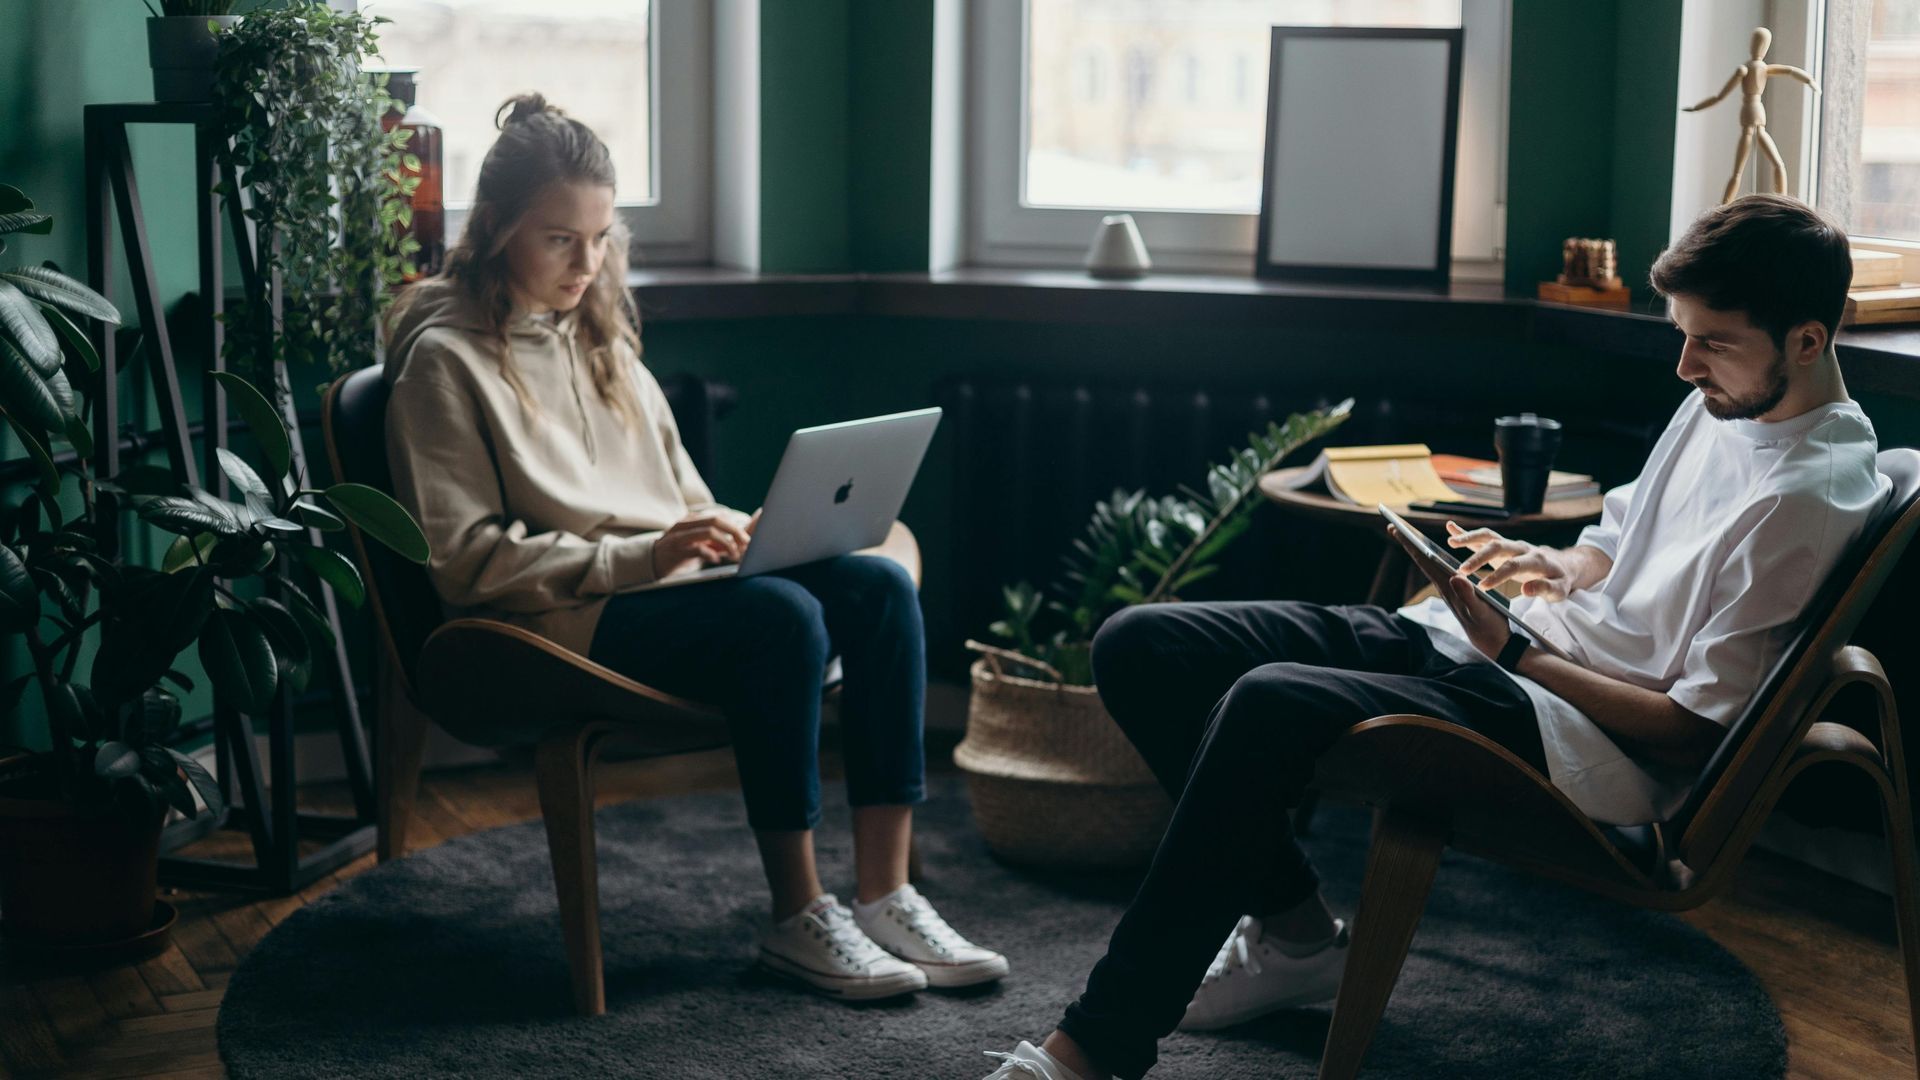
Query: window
[[1172, 141], [633, 70], [1869, 169]]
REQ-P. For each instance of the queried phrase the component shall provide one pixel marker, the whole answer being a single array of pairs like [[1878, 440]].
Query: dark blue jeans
[[758, 647], [1231, 705]]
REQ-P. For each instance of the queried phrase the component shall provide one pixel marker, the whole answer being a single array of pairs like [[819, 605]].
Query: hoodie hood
[[440, 302]]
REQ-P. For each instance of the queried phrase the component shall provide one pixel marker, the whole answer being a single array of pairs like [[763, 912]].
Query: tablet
[[1445, 558]]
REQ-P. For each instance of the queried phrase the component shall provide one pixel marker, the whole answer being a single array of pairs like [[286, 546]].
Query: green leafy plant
[[191, 7], [1142, 550], [60, 591], [328, 192]]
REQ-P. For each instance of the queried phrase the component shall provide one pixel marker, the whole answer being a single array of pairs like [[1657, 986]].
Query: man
[[1674, 606]]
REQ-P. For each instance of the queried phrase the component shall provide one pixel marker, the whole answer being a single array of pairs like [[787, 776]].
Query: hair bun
[[521, 107]]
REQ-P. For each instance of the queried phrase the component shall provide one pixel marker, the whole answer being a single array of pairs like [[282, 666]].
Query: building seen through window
[[592, 58], [1181, 127], [1886, 178]]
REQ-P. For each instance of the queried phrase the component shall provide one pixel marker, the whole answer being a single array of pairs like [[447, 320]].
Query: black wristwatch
[[1516, 647]]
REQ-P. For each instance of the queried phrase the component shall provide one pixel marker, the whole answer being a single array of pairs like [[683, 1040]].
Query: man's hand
[[1542, 572], [1485, 626], [700, 539]]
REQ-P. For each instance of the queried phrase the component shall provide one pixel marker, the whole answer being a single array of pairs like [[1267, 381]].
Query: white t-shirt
[[1717, 548]]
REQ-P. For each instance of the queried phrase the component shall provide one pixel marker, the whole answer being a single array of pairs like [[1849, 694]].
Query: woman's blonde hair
[[539, 145]]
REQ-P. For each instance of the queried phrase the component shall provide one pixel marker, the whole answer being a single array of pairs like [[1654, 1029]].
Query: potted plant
[[80, 818], [1052, 778], [300, 123], [183, 39]]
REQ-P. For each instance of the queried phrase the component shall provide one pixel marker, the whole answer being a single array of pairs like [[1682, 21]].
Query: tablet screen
[[1439, 554]]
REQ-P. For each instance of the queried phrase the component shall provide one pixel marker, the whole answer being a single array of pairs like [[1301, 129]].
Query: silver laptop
[[838, 489]]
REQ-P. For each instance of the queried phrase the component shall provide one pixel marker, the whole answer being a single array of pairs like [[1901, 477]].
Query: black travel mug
[[1526, 445]]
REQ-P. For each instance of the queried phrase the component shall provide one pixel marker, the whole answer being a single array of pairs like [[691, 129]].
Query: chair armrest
[[1496, 804], [491, 683], [900, 546]]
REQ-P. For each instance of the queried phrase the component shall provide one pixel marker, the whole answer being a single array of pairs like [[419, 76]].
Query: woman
[[543, 463]]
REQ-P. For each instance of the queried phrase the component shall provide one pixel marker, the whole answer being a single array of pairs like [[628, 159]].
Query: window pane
[[592, 58], [1887, 186], [1162, 104]]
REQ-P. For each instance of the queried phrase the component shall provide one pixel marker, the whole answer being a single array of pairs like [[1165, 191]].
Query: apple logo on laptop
[[840, 494]]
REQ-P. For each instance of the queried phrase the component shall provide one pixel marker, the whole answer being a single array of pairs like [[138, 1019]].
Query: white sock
[[1058, 1065], [868, 910]]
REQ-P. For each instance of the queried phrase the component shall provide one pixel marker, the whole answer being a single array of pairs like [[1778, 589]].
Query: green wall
[[1590, 135], [846, 100]]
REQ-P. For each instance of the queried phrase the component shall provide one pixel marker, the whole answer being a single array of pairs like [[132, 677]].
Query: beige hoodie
[[533, 519]]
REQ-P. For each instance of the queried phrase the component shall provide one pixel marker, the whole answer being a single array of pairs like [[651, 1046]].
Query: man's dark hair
[[1775, 258]]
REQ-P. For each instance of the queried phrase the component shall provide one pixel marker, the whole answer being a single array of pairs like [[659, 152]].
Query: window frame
[[1002, 231], [675, 226], [1839, 60]]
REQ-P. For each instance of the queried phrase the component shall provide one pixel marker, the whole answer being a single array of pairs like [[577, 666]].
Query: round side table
[[1395, 571]]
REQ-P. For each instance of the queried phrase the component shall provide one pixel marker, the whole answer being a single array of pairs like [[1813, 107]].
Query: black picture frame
[[1270, 264]]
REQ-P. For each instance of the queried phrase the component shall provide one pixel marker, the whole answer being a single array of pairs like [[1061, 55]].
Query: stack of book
[[1884, 289], [1479, 479]]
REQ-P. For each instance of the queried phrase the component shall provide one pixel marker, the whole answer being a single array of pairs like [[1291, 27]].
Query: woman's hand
[[1542, 572], [701, 539]]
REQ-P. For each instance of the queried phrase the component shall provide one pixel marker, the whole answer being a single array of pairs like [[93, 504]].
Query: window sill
[[1876, 359]]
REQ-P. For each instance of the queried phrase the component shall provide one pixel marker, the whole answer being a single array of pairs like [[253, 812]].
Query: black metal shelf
[[266, 807]]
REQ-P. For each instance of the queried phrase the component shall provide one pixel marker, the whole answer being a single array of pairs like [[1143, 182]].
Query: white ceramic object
[[1117, 250]]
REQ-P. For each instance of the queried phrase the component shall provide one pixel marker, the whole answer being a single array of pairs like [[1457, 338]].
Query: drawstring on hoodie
[[573, 380]]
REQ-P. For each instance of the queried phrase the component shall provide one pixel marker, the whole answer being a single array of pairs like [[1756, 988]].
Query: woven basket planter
[[1053, 780]]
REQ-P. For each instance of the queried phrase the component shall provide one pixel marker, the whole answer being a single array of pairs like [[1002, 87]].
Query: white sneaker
[[1029, 1062], [822, 948], [1251, 977], [904, 924]]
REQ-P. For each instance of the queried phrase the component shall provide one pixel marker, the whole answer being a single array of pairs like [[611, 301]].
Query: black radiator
[[1030, 458]]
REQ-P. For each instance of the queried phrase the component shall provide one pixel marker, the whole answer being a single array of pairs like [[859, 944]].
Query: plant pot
[[1053, 780], [183, 50], [67, 882]]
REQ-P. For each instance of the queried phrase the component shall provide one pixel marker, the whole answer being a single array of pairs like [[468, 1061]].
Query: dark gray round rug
[[449, 963]]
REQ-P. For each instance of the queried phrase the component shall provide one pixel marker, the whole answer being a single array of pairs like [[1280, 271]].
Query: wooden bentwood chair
[[1433, 785], [489, 683]]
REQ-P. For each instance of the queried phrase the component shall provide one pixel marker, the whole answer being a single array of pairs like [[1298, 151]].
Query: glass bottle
[[429, 225]]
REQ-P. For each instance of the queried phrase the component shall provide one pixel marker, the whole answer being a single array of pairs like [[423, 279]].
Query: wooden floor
[[1823, 947]]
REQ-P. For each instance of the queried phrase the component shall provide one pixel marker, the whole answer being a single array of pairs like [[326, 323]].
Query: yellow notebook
[[1396, 475]]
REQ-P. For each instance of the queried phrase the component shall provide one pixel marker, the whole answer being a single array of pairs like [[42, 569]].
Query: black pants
[[1231, 705]]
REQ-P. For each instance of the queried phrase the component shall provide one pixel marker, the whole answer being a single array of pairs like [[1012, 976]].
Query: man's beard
[[1758, 404]]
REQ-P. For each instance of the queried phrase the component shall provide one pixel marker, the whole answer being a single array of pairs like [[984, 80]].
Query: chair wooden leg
[[1400, 867], [398, 741], [564, 764], [1896, 805], [1898, 817]]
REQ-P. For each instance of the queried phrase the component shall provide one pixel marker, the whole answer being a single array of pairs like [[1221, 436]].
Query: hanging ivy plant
[[327, 196]]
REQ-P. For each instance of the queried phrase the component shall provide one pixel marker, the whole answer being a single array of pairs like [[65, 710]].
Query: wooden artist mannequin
[[1751, 77]]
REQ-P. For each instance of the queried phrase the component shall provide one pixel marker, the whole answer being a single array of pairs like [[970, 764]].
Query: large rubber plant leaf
[[29, 330], [239, 660], [77, 341], [159, 614], [380, 517], [269, 430], [24, 392], [26, 221], [61, 291], [42, 459], [19, 600], [187, 517], [336, 570]]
